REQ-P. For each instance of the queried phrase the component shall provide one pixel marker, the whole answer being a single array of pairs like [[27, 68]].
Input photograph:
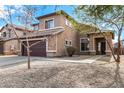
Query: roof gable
[[19, 28]]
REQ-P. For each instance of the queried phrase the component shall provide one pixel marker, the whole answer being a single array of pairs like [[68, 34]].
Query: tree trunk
[[118, 51], [111, 49], [118, 59], [28, 53]]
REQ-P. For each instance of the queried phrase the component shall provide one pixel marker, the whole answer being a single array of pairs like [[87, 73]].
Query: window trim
[[68, 42], [4, 34], [48, 20], [80, 46], [68, 23]]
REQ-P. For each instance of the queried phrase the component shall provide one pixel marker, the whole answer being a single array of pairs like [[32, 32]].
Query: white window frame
[[68, 42], [3, 34], [48, 20], [80, 45], [65, 42], [68, 23]]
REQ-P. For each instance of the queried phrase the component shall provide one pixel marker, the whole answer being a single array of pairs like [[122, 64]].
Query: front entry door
[[103, 48]]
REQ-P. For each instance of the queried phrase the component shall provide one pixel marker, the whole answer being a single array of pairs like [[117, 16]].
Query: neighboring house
[[8, 42], [115, 46], [56, 32]]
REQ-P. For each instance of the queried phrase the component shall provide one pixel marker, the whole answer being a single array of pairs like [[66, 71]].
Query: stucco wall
[[92, 42], [57, 21], [69, 34], [11, 47], [52, 42], [57, 42]]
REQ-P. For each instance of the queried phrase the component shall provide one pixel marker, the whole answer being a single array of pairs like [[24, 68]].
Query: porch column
[[92, 45], [108, 51], [19, 46]]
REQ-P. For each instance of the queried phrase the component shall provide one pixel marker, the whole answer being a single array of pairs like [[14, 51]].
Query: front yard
[[60, 74]]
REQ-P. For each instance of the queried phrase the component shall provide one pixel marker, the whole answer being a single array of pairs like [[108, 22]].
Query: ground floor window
[[68, 43], [84, 44]]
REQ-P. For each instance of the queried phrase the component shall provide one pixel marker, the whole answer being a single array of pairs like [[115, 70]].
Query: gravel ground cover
[[59, 75]]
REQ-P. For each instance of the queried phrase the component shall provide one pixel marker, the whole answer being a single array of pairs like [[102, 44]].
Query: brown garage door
[[36, 50]]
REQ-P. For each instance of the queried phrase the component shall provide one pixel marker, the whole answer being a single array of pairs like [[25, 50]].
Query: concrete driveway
[[14, 59]]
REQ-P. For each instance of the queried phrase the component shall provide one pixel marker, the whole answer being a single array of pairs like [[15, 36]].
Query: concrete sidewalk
[[88, 60]]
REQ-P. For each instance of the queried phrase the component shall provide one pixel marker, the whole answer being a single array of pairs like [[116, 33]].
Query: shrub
[[70, 51]]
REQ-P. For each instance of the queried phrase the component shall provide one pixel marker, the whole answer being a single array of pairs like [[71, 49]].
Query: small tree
[[26, 16]]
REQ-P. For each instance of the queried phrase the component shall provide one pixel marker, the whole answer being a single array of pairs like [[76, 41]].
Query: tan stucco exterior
[[57, 21], [92, 42], [56, 43], [11, 47]]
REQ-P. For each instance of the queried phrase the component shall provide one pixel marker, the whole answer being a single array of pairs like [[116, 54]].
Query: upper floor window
[[4, 34], [49, 24], [68, 23]]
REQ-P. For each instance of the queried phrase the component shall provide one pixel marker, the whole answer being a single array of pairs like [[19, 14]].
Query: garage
[[37, 50]]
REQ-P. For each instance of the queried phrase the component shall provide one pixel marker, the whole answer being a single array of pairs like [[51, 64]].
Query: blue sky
[[42, 10]]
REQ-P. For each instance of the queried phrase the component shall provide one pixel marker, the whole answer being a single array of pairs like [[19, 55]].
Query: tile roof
[[48, 32]]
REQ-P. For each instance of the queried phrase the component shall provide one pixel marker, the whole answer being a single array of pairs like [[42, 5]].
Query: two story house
[[55, 32]]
